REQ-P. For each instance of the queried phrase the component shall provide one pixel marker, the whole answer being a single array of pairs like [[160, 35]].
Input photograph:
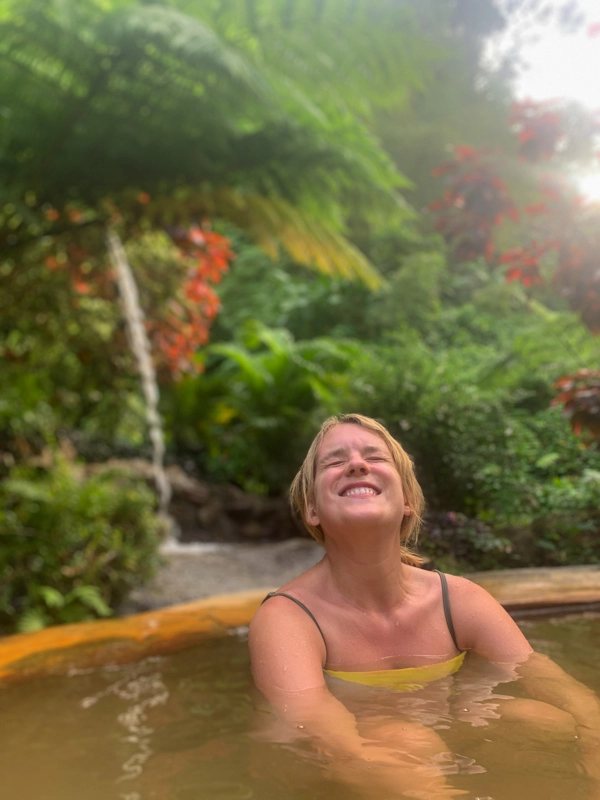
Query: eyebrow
[[368, 449]]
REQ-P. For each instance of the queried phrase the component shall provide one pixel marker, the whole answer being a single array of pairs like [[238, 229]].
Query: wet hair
[[303, 485]]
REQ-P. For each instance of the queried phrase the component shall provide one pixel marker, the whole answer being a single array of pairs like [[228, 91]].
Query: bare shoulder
[[460, 589], [285, 608], [287, 650], [285, 604], [469, 599], [463, 587], [481, 623]]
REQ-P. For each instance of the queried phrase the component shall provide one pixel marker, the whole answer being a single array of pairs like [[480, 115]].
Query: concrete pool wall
[[67, 648]]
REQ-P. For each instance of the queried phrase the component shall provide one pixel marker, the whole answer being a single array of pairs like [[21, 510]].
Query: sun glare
[[556, 62], [590, 186]]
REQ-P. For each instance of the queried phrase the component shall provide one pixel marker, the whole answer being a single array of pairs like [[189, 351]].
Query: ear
[[407, 511], [311, 515]]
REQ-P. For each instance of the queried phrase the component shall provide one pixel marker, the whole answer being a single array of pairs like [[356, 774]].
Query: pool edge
[[65, 648]]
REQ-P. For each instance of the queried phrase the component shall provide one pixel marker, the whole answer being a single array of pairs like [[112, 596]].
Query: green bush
[[253, 413], [485, 451], [454, 543], [71, 546], [567, 524]]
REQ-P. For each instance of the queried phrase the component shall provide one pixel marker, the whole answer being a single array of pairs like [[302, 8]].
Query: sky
[[565, 65], [557, 64]]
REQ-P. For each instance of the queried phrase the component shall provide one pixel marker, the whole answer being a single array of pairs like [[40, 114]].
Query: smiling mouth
[[358, 491]]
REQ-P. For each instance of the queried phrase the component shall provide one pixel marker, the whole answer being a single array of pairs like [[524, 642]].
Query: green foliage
[[71, 546], [394, 306], [567, 525], [475, 415], [280, 295], [324, 305], [259, 399], [456, 543], [66, 364], [269, 115], [91, 91], [323, 67], [460, 366], [469, 400]]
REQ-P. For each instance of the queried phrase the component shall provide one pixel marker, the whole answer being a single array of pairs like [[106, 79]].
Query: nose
[[357, 465]]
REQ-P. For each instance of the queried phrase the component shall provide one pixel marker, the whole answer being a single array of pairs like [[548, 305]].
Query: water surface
[[190, 726]]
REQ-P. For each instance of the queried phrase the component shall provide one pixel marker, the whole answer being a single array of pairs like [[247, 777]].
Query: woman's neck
[[367, 573]]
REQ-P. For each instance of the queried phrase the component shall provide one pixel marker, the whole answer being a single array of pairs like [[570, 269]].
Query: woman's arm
[[546, 681], [287, 654], [482, 625]]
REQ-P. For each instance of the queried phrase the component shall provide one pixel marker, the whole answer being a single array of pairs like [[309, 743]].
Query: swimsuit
[[407, 679]]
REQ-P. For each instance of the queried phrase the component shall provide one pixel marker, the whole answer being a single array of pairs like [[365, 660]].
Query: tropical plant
[[91, 92], [251, 414], [71, 546], [469, 399]]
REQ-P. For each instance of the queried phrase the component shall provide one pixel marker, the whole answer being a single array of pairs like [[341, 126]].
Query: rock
[[205, 512]]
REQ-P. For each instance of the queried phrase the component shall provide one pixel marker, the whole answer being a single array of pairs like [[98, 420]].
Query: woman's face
[[356, 482]]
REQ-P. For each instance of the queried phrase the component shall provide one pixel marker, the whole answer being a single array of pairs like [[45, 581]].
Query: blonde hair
[[303, 485]]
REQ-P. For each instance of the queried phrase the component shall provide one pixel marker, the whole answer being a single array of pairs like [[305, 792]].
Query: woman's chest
[[374, 642]]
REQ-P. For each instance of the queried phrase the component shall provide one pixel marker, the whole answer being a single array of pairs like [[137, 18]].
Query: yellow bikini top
[[408, 679]]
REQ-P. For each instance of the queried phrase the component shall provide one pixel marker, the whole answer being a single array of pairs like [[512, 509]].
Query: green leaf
[[90, 597], [547, 460], [51, 597], [27, 490], [32, 620]]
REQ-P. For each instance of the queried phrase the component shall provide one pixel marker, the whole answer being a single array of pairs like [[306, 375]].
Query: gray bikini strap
[[447, 610], [445, 602], [302, 606]]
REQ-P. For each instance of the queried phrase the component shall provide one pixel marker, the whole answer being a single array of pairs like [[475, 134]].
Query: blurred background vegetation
[[328, 206]]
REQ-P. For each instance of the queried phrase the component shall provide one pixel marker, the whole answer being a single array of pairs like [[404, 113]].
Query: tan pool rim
[[67, 648]]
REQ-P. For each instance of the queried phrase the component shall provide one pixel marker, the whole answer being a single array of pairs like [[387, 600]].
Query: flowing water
[[140, 347], [190, 726]]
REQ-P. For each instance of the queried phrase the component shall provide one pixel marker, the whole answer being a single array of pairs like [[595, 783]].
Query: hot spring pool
[[190, 726]]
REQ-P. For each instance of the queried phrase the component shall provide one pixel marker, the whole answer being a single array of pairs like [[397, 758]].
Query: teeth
[[359, 490]]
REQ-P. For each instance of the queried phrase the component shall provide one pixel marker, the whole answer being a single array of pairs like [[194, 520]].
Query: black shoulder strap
[[447, 611], [298, 603]]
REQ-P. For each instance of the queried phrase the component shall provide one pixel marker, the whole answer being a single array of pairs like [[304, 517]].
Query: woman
[[366, 613]]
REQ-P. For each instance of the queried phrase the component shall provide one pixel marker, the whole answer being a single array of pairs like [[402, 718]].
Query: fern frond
[[106, 95], [187, 44], [327, 47], [272, 222]]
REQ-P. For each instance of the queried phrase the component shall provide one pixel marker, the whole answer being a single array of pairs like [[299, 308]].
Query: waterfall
[[140, 346]]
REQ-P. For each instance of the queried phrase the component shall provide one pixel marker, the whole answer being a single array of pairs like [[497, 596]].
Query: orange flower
[[80, 286], [52, 262]]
